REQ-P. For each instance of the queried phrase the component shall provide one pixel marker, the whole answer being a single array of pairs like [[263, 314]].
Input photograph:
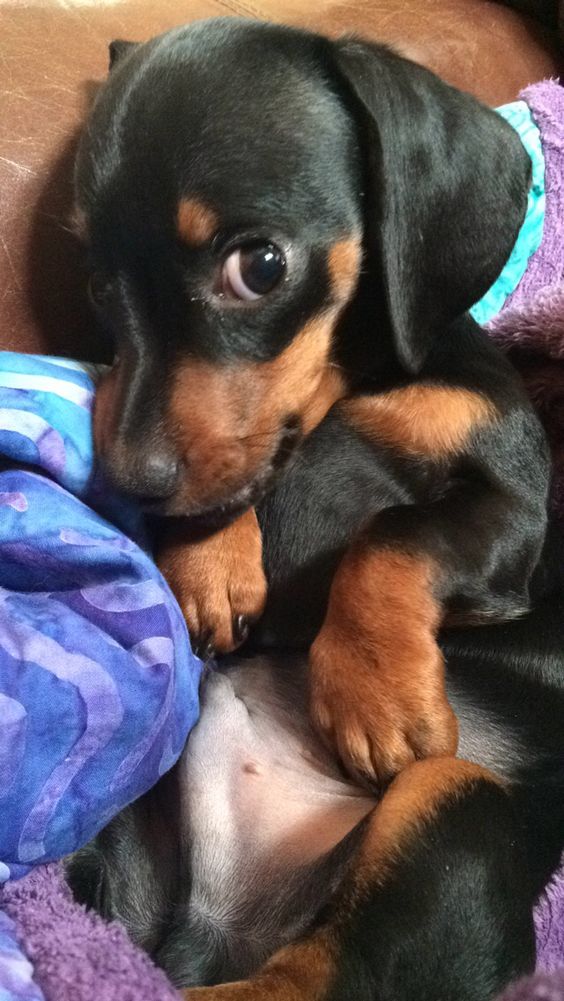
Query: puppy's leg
[[377, 680], [434, 903], [465, 552], [218, 581], [377, 674]]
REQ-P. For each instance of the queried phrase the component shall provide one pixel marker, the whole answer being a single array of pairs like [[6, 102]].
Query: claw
[[241, 628], [204, 648]]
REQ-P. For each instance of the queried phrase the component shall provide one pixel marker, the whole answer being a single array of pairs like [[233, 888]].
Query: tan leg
[[219, 581], [377, 676], [300, 971]]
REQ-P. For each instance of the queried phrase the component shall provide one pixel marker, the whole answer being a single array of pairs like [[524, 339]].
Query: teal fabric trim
[[519, 115]]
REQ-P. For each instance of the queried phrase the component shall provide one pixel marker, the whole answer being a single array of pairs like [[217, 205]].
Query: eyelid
[[226, 241]]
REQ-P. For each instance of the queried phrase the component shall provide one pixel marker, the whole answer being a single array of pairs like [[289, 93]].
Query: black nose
[[150, 476], [159, 475]]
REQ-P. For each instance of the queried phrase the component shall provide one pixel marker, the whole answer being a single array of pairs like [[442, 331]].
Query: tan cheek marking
[[210, 421], [196, 222], [245, 400], [226, 420], [296, 375], [332, 388], [344, 267], [422, 419]]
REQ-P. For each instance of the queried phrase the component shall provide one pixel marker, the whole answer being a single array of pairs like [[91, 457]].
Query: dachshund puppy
[[286, 233]]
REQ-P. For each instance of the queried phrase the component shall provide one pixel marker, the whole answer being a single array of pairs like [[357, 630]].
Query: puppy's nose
[[158, 476], [149, 477]]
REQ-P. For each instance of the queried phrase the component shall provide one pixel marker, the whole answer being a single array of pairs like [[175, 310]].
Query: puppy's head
[[232, 179]]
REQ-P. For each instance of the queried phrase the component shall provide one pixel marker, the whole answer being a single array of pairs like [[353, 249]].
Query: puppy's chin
[[211, 516], [219, 509], [202, 521]]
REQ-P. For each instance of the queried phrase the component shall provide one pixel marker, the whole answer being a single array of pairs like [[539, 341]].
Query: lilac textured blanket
[[531, 329], [77, 957], [72, 953]]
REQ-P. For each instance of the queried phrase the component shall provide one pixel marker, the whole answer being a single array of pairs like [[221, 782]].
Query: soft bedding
[[98, 685]]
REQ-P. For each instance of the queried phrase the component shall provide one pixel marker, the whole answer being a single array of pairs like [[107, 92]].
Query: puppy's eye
[[252, 271], [99, 289]]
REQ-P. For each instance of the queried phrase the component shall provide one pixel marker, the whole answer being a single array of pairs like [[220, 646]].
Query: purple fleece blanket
[[530, 328], [77, 957]]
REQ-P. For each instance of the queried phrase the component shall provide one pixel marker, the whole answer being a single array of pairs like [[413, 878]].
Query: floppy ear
[[118, 49], [446, 190]]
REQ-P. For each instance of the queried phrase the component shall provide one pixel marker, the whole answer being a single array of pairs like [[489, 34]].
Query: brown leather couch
[[54, 52]]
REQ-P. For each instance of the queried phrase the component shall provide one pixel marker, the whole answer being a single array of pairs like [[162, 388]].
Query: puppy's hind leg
[[435, 903]]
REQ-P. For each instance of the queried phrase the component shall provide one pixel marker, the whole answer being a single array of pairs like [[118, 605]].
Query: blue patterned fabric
[[529, 238], [98, 684]]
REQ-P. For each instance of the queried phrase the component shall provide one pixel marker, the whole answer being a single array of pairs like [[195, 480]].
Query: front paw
[[219, 583], [220, 608], [379, 716]]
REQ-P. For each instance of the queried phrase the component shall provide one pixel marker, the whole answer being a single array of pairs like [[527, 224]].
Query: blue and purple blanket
[[98, 684]]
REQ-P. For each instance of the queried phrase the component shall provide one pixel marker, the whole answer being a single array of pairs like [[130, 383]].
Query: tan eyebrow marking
[[196, 222]]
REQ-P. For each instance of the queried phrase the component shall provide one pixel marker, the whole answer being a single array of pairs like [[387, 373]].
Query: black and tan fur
[[345, 466]]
